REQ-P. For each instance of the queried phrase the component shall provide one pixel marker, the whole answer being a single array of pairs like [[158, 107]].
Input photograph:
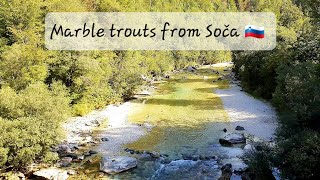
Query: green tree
[[30, 121]]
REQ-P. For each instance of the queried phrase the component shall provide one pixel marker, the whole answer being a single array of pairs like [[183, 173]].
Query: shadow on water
[[187, 118], [206, 104], [186, 114]]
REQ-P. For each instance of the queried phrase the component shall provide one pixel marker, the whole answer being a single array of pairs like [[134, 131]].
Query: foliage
[[298, 92], [290, 76], [37, 87], [259, 164], [30, 122], [298, 156]]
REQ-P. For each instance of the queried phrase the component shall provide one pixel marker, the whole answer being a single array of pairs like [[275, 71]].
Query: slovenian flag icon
[[254, 31]]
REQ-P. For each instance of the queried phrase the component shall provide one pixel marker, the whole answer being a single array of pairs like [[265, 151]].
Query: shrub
[[81, 109], [299, 155], [259, 163], [3, 156], [30, 123]]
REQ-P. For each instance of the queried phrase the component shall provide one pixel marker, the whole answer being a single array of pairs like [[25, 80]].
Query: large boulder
[[249, 148], [188, 169], [117, 164], [191, 68], [66, 161], [233, 138], [63, 149], [51, 174], [239, 128], [252, 139]]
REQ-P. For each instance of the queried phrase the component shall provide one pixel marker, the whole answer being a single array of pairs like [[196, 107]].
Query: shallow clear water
[[187, 119]]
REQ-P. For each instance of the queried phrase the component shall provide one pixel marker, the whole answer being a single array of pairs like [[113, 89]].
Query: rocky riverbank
[[99, 146], [99, 133]]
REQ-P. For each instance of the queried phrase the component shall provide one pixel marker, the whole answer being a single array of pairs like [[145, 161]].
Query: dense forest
[[40, 89], [289, 76]]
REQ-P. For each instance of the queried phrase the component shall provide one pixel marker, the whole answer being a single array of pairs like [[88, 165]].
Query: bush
[[298, 92], [81, 109], [3, 156], [259, 163], [299, 156], [30, 123], [290, 76]]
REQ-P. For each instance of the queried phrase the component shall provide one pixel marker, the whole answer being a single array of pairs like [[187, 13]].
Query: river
[[184, 116]]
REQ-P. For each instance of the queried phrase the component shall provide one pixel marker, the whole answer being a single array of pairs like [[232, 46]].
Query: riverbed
[[184, 116]]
